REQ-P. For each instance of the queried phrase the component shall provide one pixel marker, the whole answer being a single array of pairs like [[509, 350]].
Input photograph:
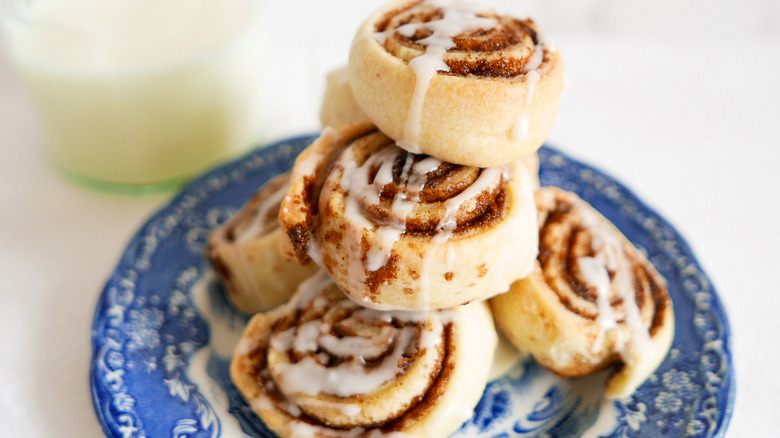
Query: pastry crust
[[592, 301], [390, 245], [339, 107], [471, 118], [246, 253], [412, 374]]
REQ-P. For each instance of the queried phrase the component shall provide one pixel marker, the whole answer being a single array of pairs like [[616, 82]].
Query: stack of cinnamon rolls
[[381, 265]]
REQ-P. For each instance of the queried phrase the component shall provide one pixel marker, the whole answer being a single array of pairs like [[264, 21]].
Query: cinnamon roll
[[451, 80], [246, 253], [592, 301], [398, 230], [339, 109], [324, 366]]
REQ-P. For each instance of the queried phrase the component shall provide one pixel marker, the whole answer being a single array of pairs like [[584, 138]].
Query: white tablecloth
[[688, 121]]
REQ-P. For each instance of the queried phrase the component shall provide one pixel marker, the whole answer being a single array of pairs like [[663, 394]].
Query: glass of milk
[[140, 95]]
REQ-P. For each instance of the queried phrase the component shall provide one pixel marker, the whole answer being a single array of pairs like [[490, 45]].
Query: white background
[[677, 99]]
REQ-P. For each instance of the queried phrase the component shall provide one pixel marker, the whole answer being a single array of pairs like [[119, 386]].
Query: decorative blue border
[[147, 329]]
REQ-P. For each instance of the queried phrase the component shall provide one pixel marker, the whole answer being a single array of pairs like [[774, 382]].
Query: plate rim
[[268, 147], [686, 248]]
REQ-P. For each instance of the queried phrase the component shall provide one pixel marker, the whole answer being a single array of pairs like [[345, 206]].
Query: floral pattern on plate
[[164, 331]]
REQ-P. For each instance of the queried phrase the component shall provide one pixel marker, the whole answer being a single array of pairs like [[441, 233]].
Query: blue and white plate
[[164, 331]]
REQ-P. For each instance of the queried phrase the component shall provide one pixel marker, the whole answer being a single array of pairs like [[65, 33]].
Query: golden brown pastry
[[324, 366], [592, 301], [339, 109], [246, 253], [398, 230], [466, 86]]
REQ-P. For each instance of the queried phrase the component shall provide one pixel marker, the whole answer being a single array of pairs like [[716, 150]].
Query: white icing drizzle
[[361, 192], [307, 166], [348, 345], [254, 228], [350, 377], [425, 68], [354, 180], [310, 288], [597, 275], [446, 316], [546, 42], [308, 376], [244, 346], [451, 257], [263, 402], [596, 272], [424, 166], [522, 128], [313, 249], [640, 337], [448, 223], [457, 17]]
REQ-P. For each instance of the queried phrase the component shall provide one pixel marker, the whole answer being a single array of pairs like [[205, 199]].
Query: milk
[[139, 92]]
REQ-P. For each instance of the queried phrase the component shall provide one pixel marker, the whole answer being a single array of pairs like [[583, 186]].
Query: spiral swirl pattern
[[245, 253], [569, 231], [324, 366], [419, 193], [506, 47], [450, 80], [398, 230], [592, 301]]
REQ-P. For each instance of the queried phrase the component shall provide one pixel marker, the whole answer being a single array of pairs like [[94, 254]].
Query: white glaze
[[357, 345], [522, 128], [348, 378], [611, 259], [354, 181], [425, 68], [351, 377], [255, 226], [360, 193], [310, 288], [488, 177], [451, 257], [596, 275], [457, 17]]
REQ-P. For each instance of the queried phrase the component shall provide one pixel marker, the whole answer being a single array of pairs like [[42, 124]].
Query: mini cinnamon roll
[[246, 253], [457, 82], [324, 366], [339, 109], [592, 301], [398, 230]]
